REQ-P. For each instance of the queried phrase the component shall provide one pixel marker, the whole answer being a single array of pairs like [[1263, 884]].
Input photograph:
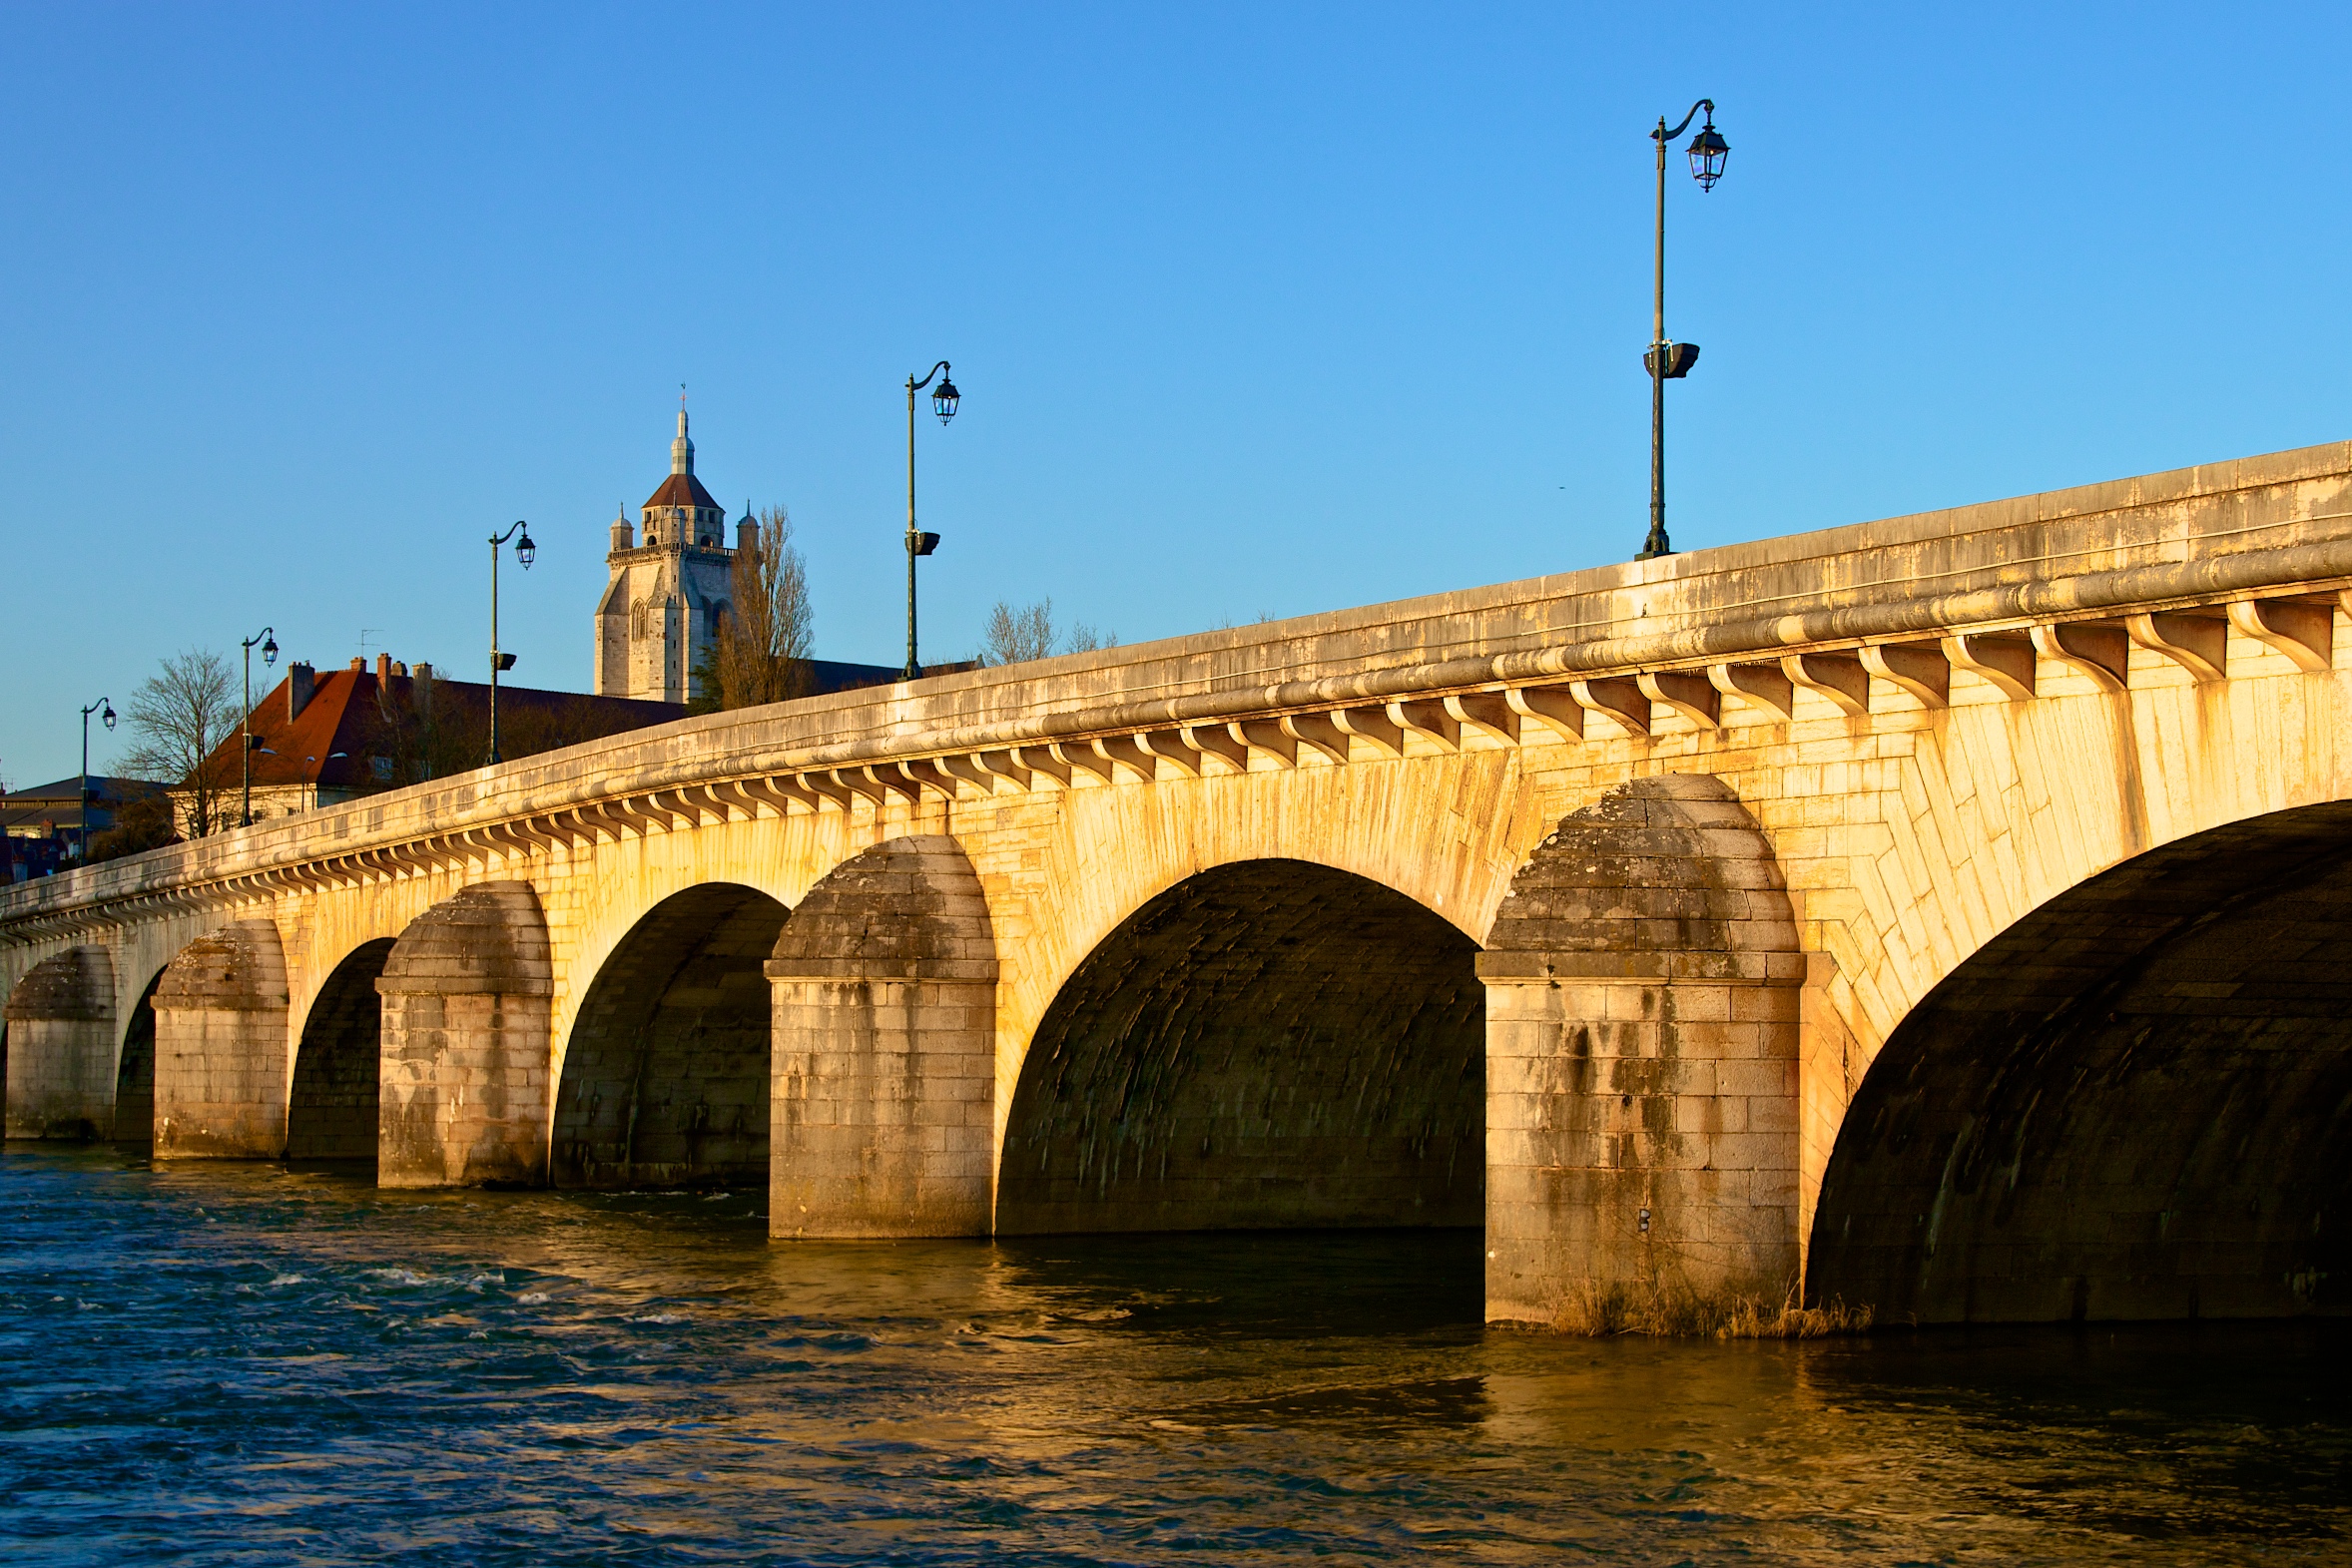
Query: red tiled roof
[[341, 716], [682, 490]]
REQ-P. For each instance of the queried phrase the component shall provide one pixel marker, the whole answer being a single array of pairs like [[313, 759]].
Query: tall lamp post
[[82, 795], [1667, 360], [918, 543], [524, 552], [267, 637]]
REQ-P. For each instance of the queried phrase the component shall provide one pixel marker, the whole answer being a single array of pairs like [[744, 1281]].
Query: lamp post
[[267, 637], [918, 543], [1665, 360], [524, 552], [82, 795]]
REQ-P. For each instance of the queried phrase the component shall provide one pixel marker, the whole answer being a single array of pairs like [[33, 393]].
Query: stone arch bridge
[[1948, 914]]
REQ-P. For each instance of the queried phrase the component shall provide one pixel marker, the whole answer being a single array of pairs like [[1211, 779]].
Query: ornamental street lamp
[[524, 552], [82, 795], [944, 403], [1667, 360], [267, 637]]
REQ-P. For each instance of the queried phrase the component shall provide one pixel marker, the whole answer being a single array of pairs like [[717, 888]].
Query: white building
[[662, 606]]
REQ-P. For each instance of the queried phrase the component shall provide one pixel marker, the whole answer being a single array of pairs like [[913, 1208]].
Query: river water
[[246, 1364]]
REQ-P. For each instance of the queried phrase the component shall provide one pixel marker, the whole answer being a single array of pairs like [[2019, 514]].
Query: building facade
[[663, 602], [321, 737]]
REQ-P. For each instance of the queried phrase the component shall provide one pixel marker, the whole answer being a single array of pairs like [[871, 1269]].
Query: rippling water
[[243, 1365]]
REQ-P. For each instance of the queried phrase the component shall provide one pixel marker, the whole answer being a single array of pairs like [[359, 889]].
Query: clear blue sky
[[1259, 308]]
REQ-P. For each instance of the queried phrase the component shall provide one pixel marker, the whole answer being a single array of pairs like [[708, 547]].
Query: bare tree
[[768, 633], [1017, 636], [182, 718]]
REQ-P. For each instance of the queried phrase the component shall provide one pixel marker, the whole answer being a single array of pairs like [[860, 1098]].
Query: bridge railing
[[2170, 563]]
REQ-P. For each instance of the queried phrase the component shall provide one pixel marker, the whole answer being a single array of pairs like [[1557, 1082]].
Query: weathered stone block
[[61, 1048], [885, 993], [467, 1092], [224, 1059], [1625, 1146]]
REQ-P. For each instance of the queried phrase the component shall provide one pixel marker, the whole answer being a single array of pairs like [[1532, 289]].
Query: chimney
[[301, 681], [384, 667], [421, 694], [358, 667], [400, 669]]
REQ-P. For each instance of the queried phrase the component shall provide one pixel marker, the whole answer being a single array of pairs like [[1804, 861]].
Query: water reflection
[[240, 1364]]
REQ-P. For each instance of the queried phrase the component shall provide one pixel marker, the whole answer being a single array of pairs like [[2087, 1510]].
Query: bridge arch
[[1270, 1043], [334, 1106], [134, 1123], [2135, 1102], [665, 1077]]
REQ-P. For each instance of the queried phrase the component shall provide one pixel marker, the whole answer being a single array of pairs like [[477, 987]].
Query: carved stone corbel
[[1123, 751], [2304, 631], [1689, 695], [1554, 709], [1373, 725], [1316, 731], [1758, 685], [2197, 642], [1213, 739], [1621, 702], [1838, 677], [1430, 719], [2006, 661], [1487, 712], [1260, 736], [1920, 669], [2099, 652], [1169, 746], [1043, 760]]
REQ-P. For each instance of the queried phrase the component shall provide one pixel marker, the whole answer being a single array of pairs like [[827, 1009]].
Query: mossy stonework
[[1935, 918]]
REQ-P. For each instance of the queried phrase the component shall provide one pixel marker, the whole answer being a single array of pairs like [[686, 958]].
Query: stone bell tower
[[661, 608]]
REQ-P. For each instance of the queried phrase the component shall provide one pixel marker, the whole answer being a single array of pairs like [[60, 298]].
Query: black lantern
[[524, 550], [269, 651], [943, 400], [1708, 150], [109, 716]]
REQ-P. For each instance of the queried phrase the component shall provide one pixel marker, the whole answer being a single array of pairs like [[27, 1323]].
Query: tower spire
[[682, 449]]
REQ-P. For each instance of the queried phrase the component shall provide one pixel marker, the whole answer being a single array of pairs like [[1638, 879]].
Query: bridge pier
[[61, 1048], [1642, 986], [884, 1033], [467, 1047], [221, 1062]]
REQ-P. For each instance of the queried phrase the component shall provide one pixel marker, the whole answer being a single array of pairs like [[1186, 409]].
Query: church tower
[[662, 606]]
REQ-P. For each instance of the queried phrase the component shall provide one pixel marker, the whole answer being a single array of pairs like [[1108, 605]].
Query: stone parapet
[[1900, 604]]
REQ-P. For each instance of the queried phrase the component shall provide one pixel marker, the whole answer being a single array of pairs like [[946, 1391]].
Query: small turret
[[746, 530], [682, 449], [624, 535]]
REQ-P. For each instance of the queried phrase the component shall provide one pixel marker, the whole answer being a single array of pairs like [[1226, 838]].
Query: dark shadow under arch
[[2135, 1103], [665, 1081], [334, 1112], [135, 1074], [1269, 1044]]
